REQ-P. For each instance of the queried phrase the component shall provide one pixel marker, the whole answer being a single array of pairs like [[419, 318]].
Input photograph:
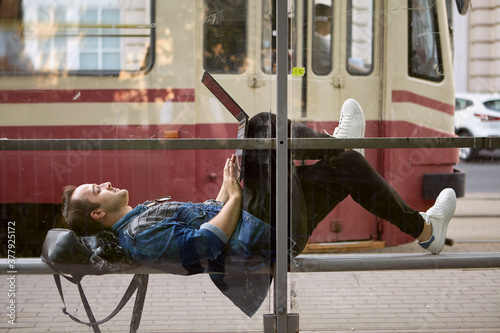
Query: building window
[[99, 47]]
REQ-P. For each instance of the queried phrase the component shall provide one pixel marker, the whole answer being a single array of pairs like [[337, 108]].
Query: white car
[[476, 115]]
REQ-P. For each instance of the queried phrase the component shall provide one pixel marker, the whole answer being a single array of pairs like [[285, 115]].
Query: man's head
[[91, 208], [323, 17]]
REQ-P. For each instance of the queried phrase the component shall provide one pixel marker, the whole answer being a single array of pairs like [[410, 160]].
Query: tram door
[[342, 59]]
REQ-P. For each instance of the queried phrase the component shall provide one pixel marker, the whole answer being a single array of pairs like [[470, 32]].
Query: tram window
[[224, 36], [83, 36], [13, 58], [269, 32], [360, 37], [268, 56], [322, 41], [424, 59]]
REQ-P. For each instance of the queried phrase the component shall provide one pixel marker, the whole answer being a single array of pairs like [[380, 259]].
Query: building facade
[[477, 47]]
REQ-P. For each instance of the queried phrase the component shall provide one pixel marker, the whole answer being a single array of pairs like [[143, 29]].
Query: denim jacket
[[178, 244]]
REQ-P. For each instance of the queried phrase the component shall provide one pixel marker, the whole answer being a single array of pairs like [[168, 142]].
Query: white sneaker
[[438, 216], [352, 122]]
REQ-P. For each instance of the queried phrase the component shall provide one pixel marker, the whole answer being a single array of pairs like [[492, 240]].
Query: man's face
[[110, 199]]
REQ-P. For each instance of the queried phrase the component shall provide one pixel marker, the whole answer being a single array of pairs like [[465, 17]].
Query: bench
[[324, 263]]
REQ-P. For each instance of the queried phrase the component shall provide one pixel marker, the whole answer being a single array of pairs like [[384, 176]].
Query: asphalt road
[[483, 173]]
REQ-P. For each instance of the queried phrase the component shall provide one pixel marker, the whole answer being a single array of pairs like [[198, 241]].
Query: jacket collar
[[121, 223]]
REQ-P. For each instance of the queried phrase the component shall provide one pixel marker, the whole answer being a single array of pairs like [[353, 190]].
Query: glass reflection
[[425, 48], [224, 36], [169, 102], [13, 57], [85, 35], [360, 17]]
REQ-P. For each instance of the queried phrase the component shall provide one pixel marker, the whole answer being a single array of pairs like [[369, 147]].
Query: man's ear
[[98, 214]]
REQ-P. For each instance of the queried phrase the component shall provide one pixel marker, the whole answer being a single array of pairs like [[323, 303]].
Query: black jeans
[[315, 190]]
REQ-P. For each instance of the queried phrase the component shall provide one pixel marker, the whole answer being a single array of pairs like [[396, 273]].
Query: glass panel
[[424, 43], [224, 36], [329, 187], [99, 103], [117, 132], [360, 37], [51, 36], [322, 41]]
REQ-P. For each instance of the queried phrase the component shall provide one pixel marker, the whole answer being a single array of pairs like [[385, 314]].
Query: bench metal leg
[[292, 323]]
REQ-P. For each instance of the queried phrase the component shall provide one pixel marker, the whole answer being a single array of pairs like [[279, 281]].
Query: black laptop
[[230, 105]]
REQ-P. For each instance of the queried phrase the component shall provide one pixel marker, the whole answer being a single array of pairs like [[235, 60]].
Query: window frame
[[349, 45], [435, 23]]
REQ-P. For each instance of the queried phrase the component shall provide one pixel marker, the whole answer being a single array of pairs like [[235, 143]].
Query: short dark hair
[[77, 212], [323, 10]]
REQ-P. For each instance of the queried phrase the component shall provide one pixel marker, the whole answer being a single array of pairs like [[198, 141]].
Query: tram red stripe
[[402, 96], [96, 96]]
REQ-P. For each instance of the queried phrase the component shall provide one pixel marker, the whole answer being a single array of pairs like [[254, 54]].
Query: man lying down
[[234, 234]]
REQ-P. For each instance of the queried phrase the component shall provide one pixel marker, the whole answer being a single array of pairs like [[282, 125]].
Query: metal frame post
[[281, 267]]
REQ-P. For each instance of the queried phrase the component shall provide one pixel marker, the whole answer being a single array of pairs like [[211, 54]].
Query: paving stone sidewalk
[[465, 300], [384, 301]]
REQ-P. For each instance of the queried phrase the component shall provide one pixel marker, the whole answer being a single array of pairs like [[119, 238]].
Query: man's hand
[[230, 185], [230, 180], [232, 194]]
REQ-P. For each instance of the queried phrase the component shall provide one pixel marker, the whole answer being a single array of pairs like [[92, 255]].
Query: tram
[[132, 69]]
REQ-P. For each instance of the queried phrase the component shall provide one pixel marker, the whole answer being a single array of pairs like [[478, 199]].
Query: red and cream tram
[[132, 69]]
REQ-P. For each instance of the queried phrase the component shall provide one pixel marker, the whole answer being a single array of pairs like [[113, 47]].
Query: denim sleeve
[[215, 230], [197, 248], [216, 240], [171, 244]]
